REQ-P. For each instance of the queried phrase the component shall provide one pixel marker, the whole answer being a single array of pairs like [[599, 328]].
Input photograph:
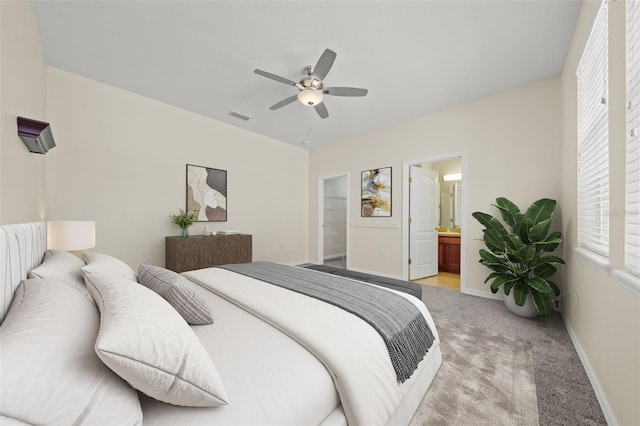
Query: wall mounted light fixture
[[452, 177], [36, 135]]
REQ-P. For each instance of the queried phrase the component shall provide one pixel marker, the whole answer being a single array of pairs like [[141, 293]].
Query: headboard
[[22, 247]]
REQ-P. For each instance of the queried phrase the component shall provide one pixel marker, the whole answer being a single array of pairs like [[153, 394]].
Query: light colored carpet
[[485, 379]]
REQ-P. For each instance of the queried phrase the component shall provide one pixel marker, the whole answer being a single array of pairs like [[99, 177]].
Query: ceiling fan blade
[[283, 102], [321, 109], [324, 64], [275, 77], [345, 91]]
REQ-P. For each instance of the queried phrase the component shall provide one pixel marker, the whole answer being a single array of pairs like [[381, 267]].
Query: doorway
[[440, 207], [333, 216]]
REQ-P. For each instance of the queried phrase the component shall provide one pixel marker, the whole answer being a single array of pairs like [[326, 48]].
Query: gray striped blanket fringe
[[399, 322]]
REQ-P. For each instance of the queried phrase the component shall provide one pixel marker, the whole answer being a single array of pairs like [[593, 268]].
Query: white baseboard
[[298, 262], [484, 294], [336, 256], [604, 405], [381, 274]]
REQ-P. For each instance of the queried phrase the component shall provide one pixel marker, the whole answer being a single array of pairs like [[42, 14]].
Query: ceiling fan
[[311, 89]]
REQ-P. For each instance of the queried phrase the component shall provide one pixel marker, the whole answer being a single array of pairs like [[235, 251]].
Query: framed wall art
[[207, 193], [376, 192]]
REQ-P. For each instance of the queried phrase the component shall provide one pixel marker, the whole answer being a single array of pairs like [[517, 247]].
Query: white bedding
[[270, 379], [353, 352]]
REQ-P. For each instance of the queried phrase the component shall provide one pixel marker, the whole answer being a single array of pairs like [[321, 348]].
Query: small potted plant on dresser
[[517, 256], [184, 220]]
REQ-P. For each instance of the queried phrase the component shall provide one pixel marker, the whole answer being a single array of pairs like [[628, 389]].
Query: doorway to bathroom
[[433, 216]]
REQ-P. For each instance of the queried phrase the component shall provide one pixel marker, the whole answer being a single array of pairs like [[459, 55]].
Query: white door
[[423, 221]]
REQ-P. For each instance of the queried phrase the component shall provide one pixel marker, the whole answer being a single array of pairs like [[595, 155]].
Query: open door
[[424, 193]]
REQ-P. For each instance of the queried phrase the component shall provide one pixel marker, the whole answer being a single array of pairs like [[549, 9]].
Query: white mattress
[[270, 378]]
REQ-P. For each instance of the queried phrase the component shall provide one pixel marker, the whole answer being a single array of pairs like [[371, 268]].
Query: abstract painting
[[376, 192], [207, 193]]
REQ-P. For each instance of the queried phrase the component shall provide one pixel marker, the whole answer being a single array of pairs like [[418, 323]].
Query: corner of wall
[[23, 81]]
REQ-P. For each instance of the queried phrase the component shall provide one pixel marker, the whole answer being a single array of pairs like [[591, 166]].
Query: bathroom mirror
[[450, 194], [450, 182]]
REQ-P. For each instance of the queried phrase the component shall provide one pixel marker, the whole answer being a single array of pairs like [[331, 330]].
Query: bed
[[277, 357]]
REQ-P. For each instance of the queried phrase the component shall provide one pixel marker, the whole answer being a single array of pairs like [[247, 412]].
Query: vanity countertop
[[449, 234]]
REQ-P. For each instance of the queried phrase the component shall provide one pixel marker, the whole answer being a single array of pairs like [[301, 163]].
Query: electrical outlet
[[383, 253]]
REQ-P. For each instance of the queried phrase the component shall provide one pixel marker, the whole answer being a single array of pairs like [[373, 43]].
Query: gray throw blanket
[[401, 325]]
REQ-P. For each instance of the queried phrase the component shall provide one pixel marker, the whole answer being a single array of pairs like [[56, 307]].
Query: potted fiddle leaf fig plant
[[517, 255], [184, 220]]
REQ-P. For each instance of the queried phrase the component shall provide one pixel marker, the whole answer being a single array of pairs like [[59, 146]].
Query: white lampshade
[[310, 96], [71, 235]]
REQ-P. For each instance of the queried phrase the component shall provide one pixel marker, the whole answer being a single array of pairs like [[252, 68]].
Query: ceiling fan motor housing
[[311, 89], [310, 96]]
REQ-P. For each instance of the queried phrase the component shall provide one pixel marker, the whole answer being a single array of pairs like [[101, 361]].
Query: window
[[632, 208], [593, 140]]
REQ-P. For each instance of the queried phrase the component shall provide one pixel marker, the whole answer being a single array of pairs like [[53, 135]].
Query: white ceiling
[[415, 57]]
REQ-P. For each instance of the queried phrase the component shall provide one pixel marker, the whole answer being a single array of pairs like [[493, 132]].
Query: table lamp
[[71, 235]]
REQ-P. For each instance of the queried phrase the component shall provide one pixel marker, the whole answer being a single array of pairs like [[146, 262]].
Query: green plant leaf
[[527, 253], [487, 256], [495, 285], [554, 287], [539, 284], [489, 222], [523, 229], [508, 286], [514, 242], [551, 259], [491, 276], [544, 270], [520, 293], [544, 303], [184, 219], [502, 269], [552, 241], [512, 254], [539, 231], [509, 212], [493, 240], [520, 272], [541, 210]]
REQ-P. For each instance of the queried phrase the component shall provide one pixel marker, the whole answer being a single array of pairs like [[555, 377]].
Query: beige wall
[[602, 316], [23, 85], [510, 141], [121, 161]]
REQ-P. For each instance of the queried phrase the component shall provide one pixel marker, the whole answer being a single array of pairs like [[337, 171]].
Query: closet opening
[[332, 220]]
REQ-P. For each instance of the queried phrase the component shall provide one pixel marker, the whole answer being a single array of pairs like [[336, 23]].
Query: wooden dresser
[[199, 251], [449, 254]]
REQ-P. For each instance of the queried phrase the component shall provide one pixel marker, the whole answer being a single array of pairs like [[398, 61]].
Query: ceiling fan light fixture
[[310, 96]]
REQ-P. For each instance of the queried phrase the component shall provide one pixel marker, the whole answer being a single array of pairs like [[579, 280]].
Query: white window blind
[[593, 139], [632, 216]]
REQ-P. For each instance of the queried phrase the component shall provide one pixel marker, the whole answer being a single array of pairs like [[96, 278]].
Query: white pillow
[[50, 372], [174, 288], [64, 267], [147, 343], [98, 263]]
